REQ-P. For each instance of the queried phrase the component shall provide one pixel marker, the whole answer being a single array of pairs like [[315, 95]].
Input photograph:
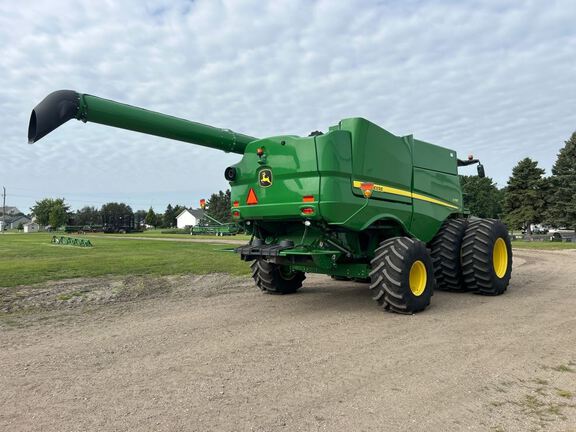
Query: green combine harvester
[[356, 202]]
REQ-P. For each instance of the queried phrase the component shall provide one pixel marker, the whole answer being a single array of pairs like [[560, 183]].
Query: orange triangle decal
[[252, 199]]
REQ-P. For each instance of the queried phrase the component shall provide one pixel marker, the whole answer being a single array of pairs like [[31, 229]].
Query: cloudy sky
[[493, 78]]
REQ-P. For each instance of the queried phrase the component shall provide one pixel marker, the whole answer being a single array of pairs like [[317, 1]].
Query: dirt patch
[[82, 292], [211, 353]]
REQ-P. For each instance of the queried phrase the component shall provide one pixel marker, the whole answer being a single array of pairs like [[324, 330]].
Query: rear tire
[[402, 275], [274, 279], [446, 255], [487, 257]]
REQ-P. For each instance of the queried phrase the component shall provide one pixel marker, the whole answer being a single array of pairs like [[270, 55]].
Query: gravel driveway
[[210, 353]]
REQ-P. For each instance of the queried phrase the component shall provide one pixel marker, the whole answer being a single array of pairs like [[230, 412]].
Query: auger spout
[[60, 106]]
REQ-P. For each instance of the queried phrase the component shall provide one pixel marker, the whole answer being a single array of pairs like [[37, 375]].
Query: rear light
[[308, 210], [236, 214], [236, 204], [259, 151], [308, 198]]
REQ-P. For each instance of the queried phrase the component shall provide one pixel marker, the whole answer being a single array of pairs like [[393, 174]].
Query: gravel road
[[210, 353]]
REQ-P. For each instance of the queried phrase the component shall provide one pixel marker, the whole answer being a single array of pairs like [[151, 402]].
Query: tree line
[[529, 197], [56, 212]]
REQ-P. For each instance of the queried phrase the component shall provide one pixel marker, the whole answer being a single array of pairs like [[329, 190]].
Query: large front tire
[[274, 279], [487, 257], [402, 275]]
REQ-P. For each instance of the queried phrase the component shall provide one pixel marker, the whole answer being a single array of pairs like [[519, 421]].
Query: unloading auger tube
[[63, 105]]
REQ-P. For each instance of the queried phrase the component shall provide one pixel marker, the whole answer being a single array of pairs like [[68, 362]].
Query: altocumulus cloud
[[495, 78]]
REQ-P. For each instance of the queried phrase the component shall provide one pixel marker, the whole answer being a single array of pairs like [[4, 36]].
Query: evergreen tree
[[151, 218], [169, 219], [525, 197], [562, 211], [481, 196], [219, 206]]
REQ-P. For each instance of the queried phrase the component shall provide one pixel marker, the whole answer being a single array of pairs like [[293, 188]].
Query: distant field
[[544, 245], [31, 258], [158, 233]]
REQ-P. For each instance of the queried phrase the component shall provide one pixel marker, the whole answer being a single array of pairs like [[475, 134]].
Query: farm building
[[14, 222], [31, 227], [189, 218]]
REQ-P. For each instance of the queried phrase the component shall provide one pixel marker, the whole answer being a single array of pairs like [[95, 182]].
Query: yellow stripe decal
[[401, 192]]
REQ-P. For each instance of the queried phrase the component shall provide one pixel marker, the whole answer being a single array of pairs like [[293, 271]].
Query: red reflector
[[252, 199], [367, 186], [236, 204], [308, 210], [236, 213], [367, 189], [308, 198]]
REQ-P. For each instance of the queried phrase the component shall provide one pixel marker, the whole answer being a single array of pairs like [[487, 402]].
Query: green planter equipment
[[355, 202]]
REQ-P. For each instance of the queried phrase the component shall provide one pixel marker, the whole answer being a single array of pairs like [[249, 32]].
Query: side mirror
[[480, 169]]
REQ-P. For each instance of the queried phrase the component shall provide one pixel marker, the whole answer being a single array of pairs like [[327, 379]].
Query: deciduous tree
[[51, 211], [117, 215], [88, 216], [481, 196]]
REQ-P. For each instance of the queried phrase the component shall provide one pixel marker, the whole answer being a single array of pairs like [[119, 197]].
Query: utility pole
[[3, 209]]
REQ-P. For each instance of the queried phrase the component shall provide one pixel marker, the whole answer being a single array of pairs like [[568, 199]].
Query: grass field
[[31, 258], [158, 233], [543, 245]]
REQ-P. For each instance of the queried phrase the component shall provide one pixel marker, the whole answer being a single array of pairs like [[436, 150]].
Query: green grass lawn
[[31, 258], [158, 233], [542, 245]]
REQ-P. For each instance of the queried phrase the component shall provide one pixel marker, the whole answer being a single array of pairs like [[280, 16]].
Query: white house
[[189, 217], [31, 227]]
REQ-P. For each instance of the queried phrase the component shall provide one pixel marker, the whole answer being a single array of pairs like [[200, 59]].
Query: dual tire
[[473, 255], [464, 256], [486, 257]]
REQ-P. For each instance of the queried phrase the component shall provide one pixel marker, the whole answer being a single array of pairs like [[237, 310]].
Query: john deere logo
[[265, 177]]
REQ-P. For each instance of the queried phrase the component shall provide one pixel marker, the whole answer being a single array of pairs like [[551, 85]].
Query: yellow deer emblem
[[265, 178]]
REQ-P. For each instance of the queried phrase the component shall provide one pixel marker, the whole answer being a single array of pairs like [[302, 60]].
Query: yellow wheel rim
[[500, 257], [417, 278]]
